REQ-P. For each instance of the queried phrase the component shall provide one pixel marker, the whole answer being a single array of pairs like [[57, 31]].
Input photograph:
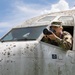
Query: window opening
[[69, 29], [47, 18]]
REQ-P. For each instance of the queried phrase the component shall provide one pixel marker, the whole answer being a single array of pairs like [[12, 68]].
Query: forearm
[[63, 43]]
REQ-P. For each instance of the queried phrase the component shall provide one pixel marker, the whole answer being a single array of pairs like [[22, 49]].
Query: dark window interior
[[69, 29]]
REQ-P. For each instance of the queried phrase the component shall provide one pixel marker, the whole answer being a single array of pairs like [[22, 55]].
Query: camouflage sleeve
[[66, 42], [45, 39]]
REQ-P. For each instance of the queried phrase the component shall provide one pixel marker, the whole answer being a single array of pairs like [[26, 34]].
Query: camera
[[48, 32]]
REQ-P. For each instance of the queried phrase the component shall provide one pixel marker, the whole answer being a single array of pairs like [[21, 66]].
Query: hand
[[45, 37], [52, 36]]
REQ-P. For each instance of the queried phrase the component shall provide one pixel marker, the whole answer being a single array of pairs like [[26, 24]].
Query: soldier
[[60, 37]]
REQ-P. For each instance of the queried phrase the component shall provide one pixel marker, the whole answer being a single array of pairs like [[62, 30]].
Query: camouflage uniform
[[65, 40]]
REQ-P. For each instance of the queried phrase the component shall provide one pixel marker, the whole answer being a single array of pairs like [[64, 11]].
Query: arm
[[66, 42], [45, 39]]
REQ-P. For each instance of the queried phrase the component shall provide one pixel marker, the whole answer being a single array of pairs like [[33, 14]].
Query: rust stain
[[14, 45], [10, 44], [4, 53], [6, 45], [31, 50], [9, 48], [7, 61], [8, 53], [22, 53], [1, 60], [11, 61], [27, 47], [7, 69], [14, 54], [25, 51], [59, 71]]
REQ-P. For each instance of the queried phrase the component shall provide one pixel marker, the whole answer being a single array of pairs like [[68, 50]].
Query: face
[[57, 29]]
